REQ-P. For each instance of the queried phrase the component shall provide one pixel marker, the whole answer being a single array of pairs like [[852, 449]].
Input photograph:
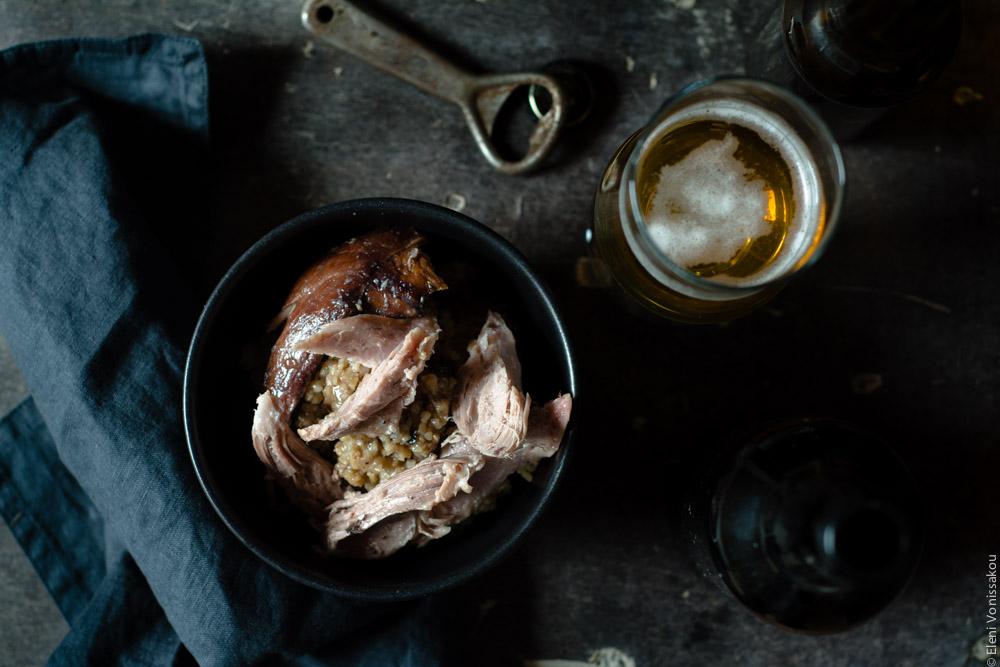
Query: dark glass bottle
[[811, 524], [853, 59]]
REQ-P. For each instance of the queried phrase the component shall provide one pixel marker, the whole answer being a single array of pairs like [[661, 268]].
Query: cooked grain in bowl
[[365, 460], [378, 449]]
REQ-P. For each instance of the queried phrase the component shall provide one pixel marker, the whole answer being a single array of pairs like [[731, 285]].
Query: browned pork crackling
[[376, 448]]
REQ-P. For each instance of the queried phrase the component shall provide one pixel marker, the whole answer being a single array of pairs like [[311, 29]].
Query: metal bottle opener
[[479, 96]]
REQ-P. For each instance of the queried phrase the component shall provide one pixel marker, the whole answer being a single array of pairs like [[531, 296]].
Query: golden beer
[[704, 214]]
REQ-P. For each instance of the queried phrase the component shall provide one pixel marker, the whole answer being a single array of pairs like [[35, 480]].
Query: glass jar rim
[[832, 211]]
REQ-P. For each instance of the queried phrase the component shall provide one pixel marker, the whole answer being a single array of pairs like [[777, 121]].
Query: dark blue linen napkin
[[95, 479]]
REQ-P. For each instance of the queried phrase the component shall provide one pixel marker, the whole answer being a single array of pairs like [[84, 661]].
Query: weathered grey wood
[[897, 328], [32, 624]]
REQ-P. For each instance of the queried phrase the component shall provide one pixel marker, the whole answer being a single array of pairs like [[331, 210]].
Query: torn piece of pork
[[378, 402], [392, 532], [429, 483], [546, 427], [366, 339], [383, 539], [308, 479], [489, 407], [383, 272], [418, 524]]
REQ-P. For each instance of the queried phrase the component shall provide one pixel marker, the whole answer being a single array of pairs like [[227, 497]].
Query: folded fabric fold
[[94, 473]]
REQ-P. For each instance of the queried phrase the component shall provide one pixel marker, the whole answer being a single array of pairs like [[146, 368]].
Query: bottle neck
[[870, 53], [860, 544], [835, 532], [814, 526]]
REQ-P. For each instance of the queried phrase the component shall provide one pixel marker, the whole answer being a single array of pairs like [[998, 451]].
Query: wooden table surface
[[896, 329]]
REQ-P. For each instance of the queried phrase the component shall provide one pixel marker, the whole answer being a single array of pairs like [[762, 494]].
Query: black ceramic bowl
[[224, 375]]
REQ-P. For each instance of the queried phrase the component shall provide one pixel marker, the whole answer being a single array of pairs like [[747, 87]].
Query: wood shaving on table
[[602, 657]]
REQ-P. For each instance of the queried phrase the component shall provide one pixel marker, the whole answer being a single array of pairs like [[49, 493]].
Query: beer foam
[[726, 188], [705, 209]]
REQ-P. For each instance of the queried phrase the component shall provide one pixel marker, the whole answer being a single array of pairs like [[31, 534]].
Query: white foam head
[[704, 209]]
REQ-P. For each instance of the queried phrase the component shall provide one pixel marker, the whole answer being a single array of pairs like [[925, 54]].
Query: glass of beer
[[733, 187]]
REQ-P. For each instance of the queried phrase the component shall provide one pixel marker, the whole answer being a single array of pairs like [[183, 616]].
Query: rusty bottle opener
[[479, 96]]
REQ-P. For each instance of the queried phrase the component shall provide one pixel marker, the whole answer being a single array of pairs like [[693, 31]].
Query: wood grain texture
[[297, 125]]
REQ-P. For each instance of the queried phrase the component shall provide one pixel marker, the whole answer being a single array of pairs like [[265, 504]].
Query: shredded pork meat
[[378, 402], [490, 407], [363, 302], [425, 502], [309, 480]]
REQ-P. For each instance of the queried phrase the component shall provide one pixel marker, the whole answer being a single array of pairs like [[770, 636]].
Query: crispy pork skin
[[381, 273], [363, 302]]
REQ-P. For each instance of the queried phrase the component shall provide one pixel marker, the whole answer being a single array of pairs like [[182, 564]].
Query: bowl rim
[[455, 227]]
